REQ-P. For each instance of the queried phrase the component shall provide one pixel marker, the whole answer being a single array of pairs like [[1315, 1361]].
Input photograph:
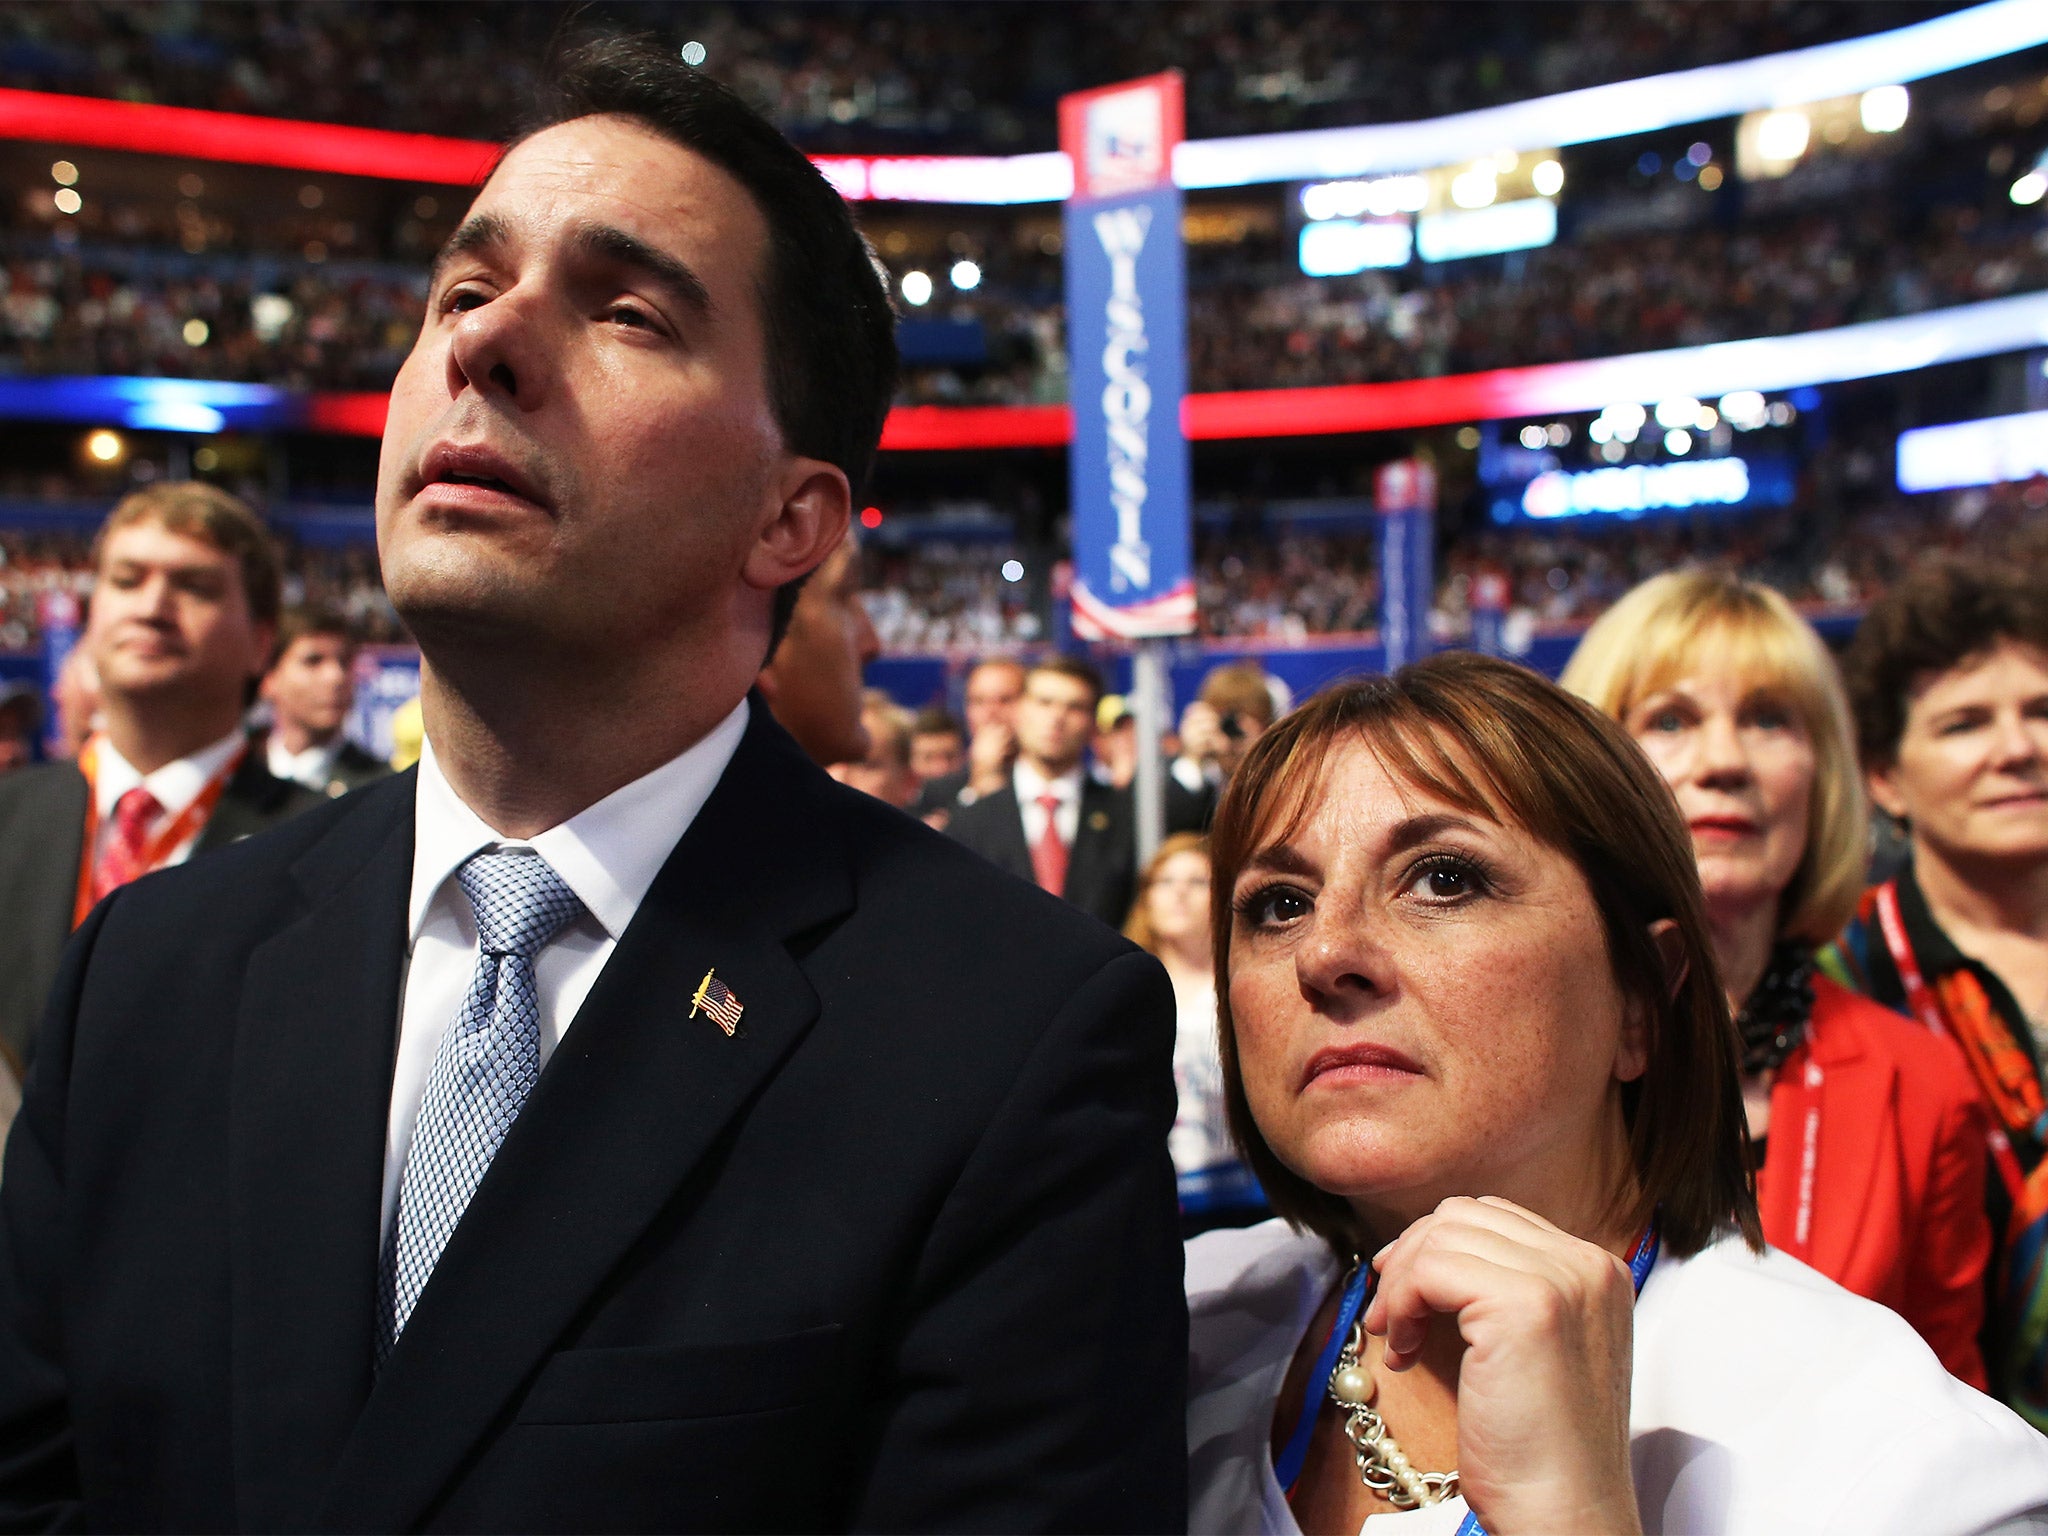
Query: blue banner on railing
[[1126, 289], [1407, 507]]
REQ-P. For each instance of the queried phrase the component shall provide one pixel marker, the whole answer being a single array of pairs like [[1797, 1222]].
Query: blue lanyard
[[1358, 1291]]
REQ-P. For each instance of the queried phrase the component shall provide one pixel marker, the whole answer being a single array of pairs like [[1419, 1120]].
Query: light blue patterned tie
[[487, 1064]]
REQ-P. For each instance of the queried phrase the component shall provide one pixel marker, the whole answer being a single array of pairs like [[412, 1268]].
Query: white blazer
[[1765, 1399]]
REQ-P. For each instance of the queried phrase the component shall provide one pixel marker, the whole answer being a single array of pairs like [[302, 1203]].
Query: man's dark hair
[[935, 720], [831, 335], [1073, 667], [1949, 610], [307, 621]]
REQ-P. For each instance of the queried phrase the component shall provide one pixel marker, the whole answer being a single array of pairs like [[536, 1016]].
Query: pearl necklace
[[1382, 1464]]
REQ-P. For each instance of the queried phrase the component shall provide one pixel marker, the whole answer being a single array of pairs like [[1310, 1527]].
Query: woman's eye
[[1273, 907], [1447, 880], [1665, 720]]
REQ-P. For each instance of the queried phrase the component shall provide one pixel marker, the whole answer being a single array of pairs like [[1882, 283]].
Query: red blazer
[[1897, 1205]]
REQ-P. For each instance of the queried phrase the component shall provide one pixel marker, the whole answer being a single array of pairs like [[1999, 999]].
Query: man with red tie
[[1052, 824], [184, 606]]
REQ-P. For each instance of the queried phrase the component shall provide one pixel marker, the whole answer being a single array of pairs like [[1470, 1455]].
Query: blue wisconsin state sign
[[1127, 362]]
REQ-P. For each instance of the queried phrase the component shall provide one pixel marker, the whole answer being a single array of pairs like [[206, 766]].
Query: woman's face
[[1177, 900], [1423, 1003], [1972, 768], [1740, 761]]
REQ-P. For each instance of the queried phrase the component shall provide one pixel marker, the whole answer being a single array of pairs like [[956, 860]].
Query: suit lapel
[[311, 1091], [632, 1100]]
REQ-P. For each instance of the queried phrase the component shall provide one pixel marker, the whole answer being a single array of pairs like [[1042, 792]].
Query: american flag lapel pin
[[715, 999]]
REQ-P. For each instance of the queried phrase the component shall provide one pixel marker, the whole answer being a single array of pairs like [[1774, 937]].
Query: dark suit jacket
[[353, 768], [1102, 866], [900, 1254], [42, 838]]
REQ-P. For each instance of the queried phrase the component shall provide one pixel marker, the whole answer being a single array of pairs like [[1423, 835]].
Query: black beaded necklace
[[1773, 1020]]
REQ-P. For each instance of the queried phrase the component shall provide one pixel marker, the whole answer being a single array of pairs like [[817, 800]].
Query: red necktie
[[121, 860], [1049, 854]]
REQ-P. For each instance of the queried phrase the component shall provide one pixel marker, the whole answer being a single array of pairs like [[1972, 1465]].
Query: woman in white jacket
[[1476, 1050]]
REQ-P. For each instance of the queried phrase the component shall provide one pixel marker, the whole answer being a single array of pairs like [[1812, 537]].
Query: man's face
[[169, 617], [581, 453], [311, 685], [935, 754], [813, 684], [1055, 718], [992, 690]]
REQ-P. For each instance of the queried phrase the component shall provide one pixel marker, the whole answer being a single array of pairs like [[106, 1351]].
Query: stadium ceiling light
[[1626, 107], [2028, 190], [68, 201], [1682, 411], [1784, 135], [916, 288], [1547, 178], [1883, 108], [105, 447], [64, 173], [966, 275]]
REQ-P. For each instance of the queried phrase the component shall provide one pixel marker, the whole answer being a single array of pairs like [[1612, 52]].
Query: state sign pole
[[1126, 291]]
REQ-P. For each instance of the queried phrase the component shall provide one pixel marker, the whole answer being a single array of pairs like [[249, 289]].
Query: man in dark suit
[[311, 689], [584, 1131], [1051, 823], [184, 604]]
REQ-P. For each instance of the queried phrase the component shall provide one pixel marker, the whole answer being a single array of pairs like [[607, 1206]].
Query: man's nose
[[497, 350]]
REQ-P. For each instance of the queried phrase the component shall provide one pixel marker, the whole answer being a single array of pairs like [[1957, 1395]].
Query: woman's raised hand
[[1543, 1390]]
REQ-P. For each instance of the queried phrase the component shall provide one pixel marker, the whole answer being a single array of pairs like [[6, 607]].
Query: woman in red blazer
[[1870, 1136]]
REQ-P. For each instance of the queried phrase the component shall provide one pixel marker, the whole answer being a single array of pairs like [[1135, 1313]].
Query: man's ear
[[1882, 786], [812, 511]]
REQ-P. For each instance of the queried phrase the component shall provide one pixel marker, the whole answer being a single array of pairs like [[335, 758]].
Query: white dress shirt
[[175, 786], [608, 855], [1030, 784], [1765, 1399], [313, 767]]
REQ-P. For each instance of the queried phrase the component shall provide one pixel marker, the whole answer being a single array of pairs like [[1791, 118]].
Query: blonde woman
[[1170, 921], [1870, 1142]]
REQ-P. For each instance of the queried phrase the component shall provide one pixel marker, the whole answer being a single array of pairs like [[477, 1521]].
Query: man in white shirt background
[[184, 604], [310, 689], [1052, 823]]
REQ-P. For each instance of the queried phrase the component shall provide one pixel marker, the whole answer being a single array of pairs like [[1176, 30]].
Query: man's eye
[[1273, 906], [631, 318], [461, 300]]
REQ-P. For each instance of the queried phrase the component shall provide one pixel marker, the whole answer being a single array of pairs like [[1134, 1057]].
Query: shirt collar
[[608, 854], [173, 786], [1030, 783], [316, 762], [1933, 950]]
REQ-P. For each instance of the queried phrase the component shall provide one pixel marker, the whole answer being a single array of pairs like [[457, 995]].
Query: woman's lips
[[1722, 826], [1358, 1064]]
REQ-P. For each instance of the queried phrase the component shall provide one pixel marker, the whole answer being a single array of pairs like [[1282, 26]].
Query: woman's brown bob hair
[[1498, 741]]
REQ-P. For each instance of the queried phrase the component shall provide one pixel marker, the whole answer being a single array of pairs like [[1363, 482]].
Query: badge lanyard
[[183, 826], [1927, 1008], [1358, 1291]]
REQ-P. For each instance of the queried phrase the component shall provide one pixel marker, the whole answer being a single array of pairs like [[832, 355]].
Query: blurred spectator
[[180, 627], [885, 771], [1170, 921], [1052, 823], [812, 682], [993, 687], [21, 716], [938, 745], [1116, 742], [310, 689], [77, 700]]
